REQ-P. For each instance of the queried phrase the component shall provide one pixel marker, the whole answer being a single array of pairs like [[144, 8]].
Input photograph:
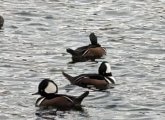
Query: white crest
[[108, 70], [51, 88]]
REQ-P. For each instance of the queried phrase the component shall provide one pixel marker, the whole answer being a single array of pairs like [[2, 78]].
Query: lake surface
[[33, 46]]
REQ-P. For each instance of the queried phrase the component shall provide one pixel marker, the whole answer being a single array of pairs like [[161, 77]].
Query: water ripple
[[33, 46]]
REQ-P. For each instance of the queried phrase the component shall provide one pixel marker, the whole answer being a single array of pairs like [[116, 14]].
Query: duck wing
[[95, 52], [77, 52], [94, 76]]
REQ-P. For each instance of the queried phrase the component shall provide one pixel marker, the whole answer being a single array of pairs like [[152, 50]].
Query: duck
[[1, 21], [97, 81], [49, 97], [90, 52]]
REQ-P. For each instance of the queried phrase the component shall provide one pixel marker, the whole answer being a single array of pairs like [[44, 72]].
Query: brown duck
[[90, 52]]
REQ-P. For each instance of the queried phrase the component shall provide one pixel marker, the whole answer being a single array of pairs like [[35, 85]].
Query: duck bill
[[35, 93]]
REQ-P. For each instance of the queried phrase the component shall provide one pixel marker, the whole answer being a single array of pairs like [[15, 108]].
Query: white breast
[[109, 80], [40, 101], [113, 79]]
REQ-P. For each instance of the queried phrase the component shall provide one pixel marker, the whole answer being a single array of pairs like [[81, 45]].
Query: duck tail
[[82, 96], [69, 77], [72, 52]]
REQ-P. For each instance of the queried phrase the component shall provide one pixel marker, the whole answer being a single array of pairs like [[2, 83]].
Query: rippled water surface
[[33, 46]]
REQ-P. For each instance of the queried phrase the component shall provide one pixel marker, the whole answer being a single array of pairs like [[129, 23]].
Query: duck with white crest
[[101, 80], [49, 97]]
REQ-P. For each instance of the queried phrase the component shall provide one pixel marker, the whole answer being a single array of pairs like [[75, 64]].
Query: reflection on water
[[54, 113], [33, 46]]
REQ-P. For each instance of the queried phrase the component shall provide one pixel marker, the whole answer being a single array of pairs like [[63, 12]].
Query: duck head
[[47, 87], [93, 39], [105, 70]]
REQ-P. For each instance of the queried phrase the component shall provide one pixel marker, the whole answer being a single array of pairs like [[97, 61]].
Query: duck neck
[[93, 40], [50, 95], [108, 74], [95, 45]]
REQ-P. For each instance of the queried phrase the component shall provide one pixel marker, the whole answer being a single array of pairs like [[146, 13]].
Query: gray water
[[33, 46]]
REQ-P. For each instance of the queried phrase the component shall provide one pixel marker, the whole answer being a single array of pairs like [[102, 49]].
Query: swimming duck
[[101, 81], [1, 21], [90, 52], [49, 97]]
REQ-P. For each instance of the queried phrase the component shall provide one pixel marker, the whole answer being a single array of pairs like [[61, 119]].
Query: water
[[33, 42]]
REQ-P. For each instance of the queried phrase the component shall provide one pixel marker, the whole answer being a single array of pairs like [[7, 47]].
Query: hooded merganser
[[103, 80], [1, 21], [90, 52], [49, 97]]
